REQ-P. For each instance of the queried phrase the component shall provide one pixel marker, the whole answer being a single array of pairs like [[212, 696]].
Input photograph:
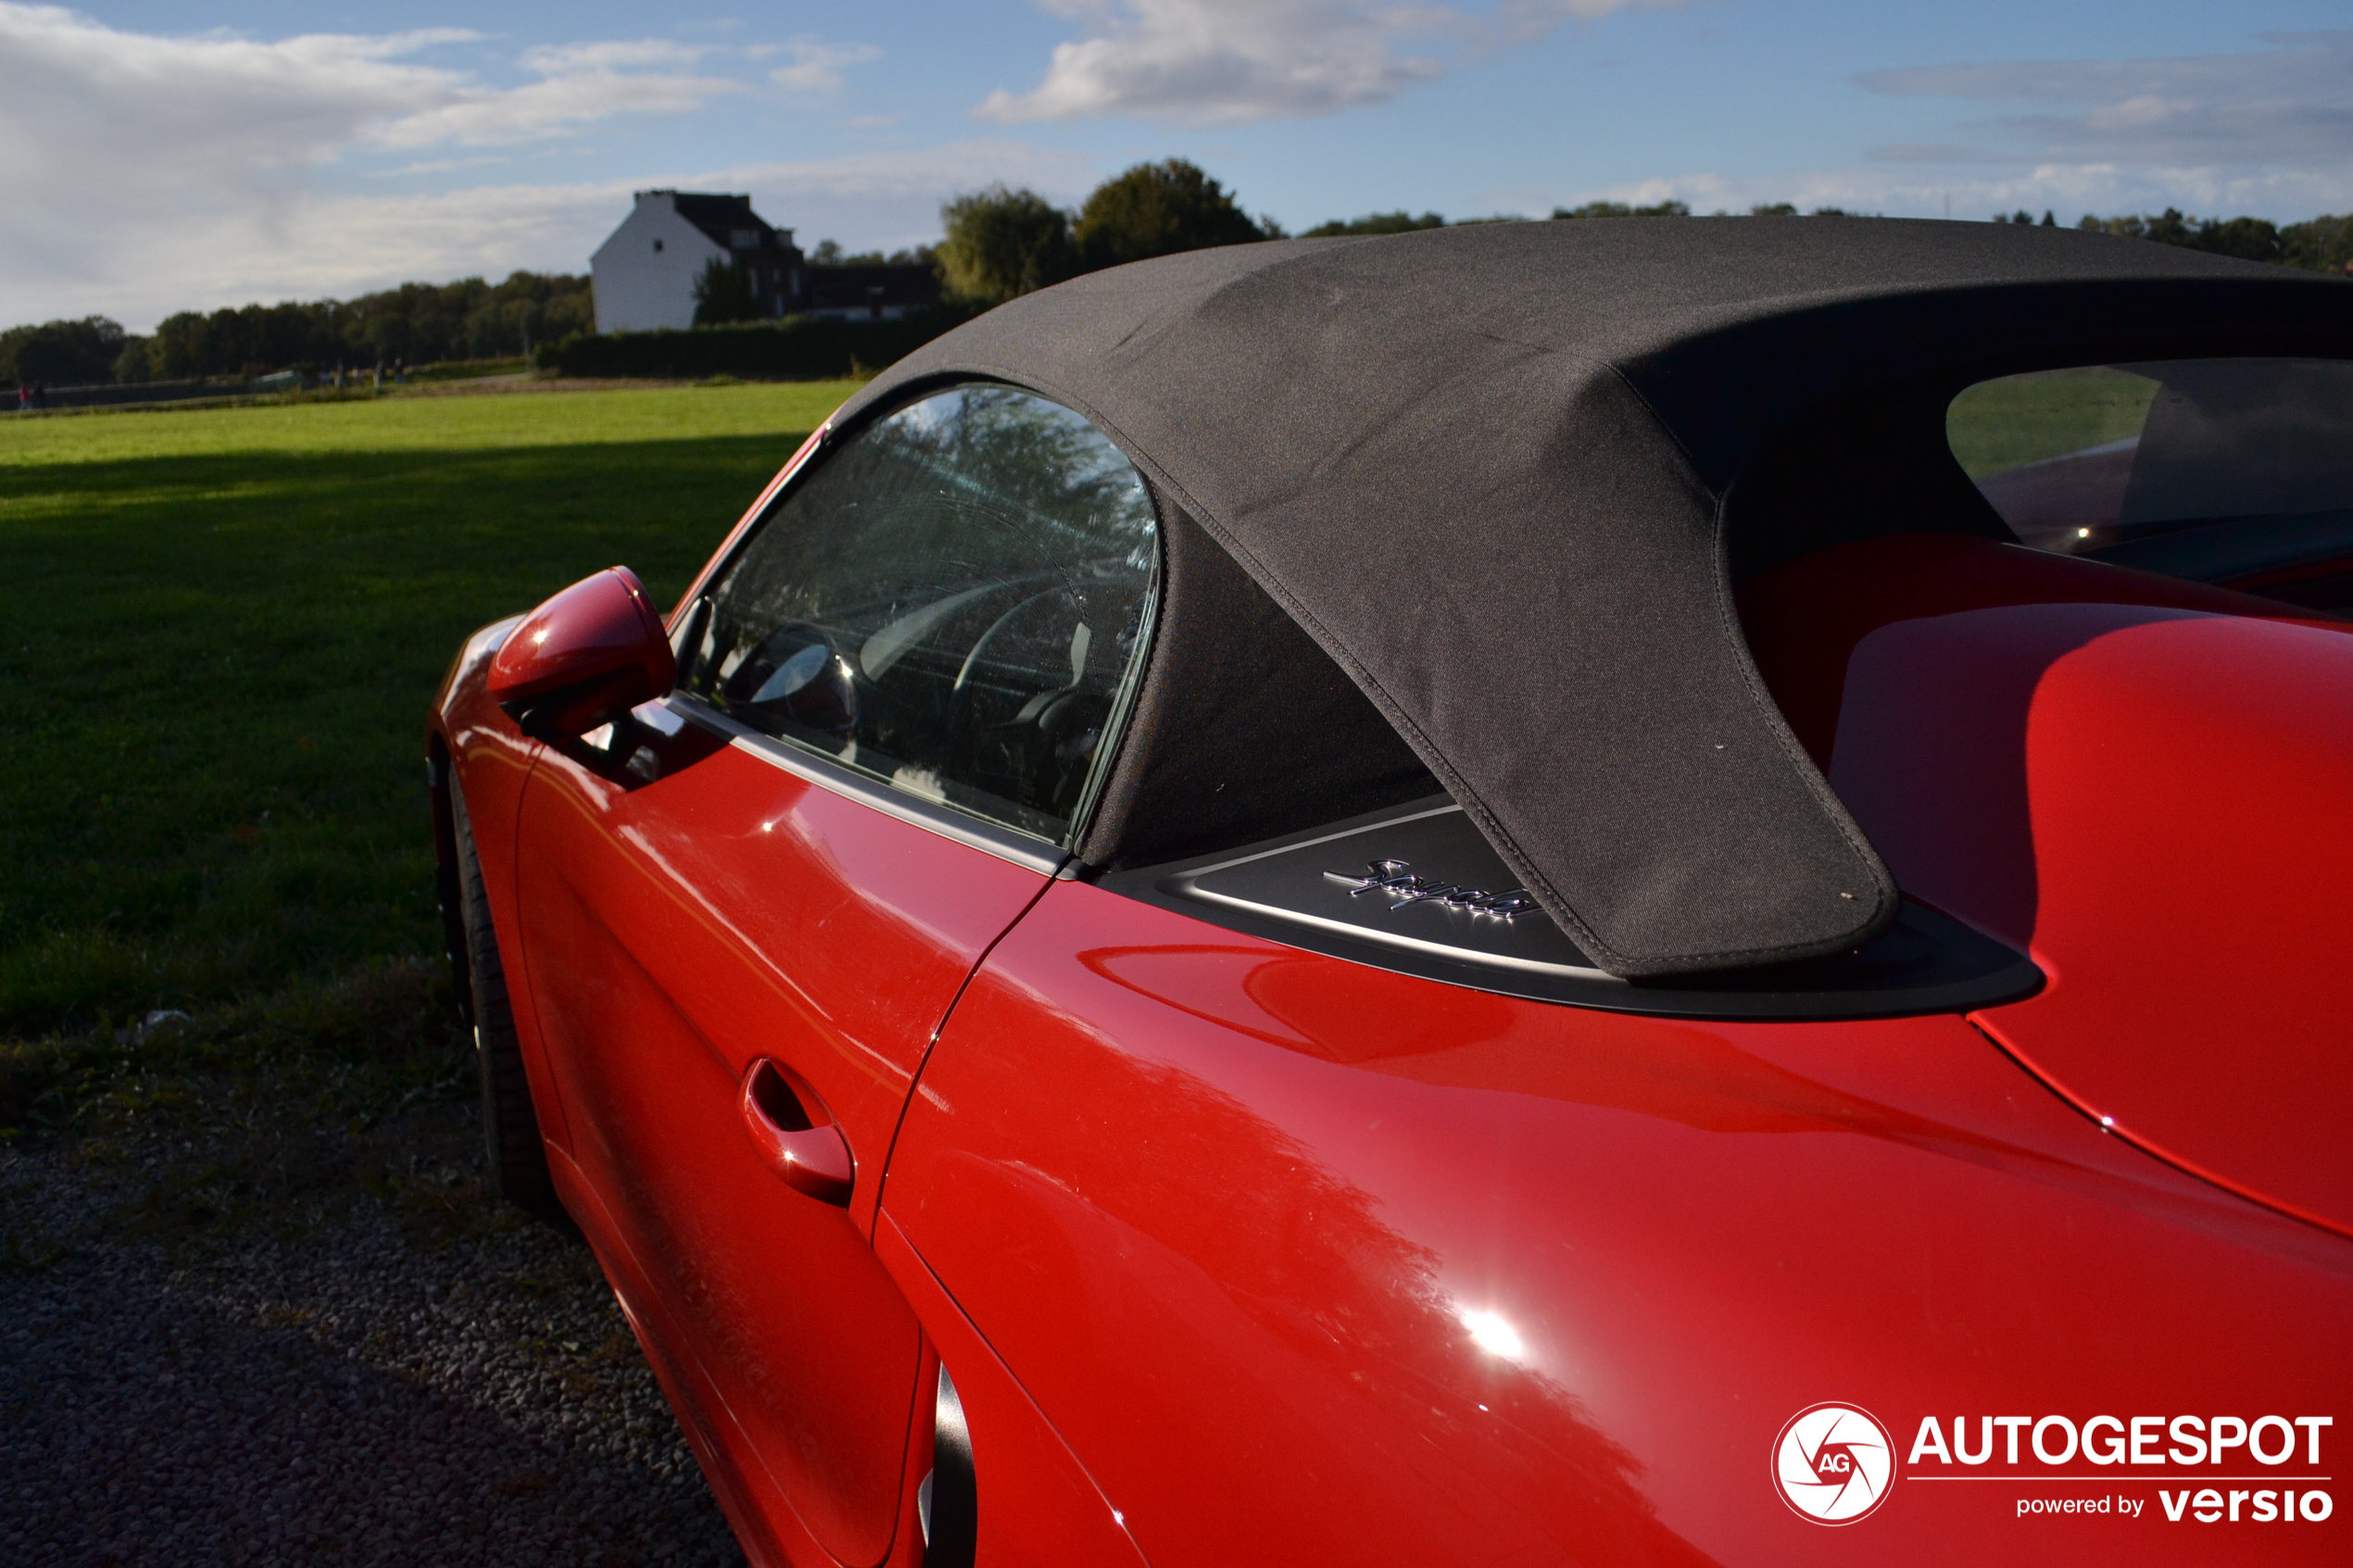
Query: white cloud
[[143, 173], [1230, 62], [563, 60], [816, 66], [2287, 106], [580, 83], [576, 90], [434, 166]]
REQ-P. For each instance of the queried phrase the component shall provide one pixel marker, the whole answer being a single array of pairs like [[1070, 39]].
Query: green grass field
[[2000, 424], [225, 631]]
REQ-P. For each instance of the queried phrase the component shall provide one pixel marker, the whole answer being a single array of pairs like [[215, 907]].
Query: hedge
[[797, 348]]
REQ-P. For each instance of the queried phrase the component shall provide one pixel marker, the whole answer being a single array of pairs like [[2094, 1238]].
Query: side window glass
[[2232, 471], [955, 602]]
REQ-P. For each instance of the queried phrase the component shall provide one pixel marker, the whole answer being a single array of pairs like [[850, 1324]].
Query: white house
[[645, 272]]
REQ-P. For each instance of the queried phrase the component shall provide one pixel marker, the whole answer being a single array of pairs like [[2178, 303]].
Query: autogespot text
[[2260, 1446]]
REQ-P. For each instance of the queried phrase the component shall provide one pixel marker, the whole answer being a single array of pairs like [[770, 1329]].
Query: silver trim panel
[[1294, 890], [1307, 889], [948, 822]]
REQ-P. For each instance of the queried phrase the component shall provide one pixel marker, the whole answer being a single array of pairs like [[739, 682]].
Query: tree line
[[1002, 242], [415, 323], [997, 244], [2317, 244]]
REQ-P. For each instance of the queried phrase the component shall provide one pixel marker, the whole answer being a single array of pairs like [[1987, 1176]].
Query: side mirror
[[589, 655]]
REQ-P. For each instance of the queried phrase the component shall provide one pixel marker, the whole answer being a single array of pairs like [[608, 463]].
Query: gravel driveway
[[319, 1345]]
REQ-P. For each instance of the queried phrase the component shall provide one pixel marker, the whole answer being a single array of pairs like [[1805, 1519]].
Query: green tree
[[2319, 244], [1000, 244], [723, 293], [1620, 209], [62, 353], [173, 354], [419, 323], [2168, 228], [906, 256], [2250, 239], [135, 363], [1398, 222], [1773, 210], [1158, 210]]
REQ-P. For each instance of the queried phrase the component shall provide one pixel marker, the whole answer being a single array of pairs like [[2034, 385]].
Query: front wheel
[[518, 1161]]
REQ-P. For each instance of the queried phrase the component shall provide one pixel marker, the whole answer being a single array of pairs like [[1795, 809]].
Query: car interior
[[985, 669]]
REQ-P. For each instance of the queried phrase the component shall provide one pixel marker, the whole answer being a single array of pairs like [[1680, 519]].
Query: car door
[[746, 907]]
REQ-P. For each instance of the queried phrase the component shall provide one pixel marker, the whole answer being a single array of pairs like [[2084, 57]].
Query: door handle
[[812, 1158]]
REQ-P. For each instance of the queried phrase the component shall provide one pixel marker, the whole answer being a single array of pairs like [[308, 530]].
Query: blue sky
[[157, 156]]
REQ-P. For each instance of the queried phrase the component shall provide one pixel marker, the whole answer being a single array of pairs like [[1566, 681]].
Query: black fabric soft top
[[1489, 469]]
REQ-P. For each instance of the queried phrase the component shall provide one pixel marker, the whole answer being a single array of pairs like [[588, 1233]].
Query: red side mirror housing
[[589, 655]]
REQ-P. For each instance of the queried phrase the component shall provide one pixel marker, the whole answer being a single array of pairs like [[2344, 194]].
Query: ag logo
[[1834, 1464]]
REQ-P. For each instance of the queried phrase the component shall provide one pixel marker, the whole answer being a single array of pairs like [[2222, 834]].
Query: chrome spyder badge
[[1396, 879]]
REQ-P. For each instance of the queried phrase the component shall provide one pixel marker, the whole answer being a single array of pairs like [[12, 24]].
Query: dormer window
[[744, 239]]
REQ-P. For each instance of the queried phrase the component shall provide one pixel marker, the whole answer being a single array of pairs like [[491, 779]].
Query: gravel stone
[[386, 1371]]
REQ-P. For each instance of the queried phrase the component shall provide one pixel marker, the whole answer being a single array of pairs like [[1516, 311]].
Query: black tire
[[518, 1161]]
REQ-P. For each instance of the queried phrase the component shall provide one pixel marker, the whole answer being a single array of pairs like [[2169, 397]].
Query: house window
[[657, 247], [744, 239]]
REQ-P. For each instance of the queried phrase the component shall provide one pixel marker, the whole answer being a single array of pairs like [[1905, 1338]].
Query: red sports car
[[1638, 892]]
